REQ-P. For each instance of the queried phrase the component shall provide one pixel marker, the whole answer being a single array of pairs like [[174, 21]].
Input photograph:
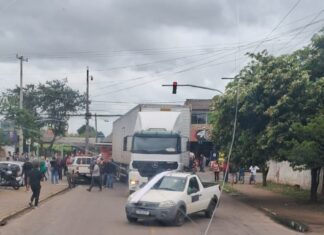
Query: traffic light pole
[[201, 87]]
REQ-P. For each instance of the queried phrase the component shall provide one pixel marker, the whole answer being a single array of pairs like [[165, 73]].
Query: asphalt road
[[79, 212]]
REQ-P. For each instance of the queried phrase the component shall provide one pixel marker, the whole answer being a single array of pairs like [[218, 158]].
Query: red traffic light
[[174, 87]]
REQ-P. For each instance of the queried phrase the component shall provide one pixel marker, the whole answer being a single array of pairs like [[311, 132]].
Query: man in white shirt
[[253, 170], [96, 178]]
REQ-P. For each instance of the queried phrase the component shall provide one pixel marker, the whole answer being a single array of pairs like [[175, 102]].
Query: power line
[[302, 29], [279, 23]]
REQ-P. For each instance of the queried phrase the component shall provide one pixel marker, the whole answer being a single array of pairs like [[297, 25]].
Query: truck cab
[[152, 152]]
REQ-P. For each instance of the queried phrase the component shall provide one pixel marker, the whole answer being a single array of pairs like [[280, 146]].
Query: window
[[171, 183], [193, 185], [167, 145], [199, 118], [125, 144]]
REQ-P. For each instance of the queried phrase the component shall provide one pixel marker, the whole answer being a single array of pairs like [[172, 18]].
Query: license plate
[[142, 212]]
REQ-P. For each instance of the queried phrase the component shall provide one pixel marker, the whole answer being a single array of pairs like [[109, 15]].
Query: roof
[[77, 141], [199, 104]]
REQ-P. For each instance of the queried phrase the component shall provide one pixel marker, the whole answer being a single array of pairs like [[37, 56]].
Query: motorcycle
[[8, 177]]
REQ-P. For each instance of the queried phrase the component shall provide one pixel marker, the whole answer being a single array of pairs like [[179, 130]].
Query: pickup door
[[196, 199]]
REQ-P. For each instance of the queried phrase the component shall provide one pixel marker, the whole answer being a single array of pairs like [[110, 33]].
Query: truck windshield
[[171, 183], [158, 145]]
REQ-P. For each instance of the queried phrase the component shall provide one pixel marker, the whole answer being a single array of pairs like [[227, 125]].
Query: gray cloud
[[192, 41]]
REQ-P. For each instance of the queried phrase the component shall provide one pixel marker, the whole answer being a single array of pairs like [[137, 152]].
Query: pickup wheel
[[211, 207], [131, 219], [180, 216]]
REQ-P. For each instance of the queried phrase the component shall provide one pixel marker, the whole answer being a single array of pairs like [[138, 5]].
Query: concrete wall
[[281, 172]]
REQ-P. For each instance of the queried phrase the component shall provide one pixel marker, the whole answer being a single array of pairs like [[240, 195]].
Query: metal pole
[[195, 86], [96, 132], [21, 97], [87, 116], [96, 128]]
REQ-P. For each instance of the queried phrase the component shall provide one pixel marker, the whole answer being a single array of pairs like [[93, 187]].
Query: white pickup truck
[[80, 166], [171, 197]]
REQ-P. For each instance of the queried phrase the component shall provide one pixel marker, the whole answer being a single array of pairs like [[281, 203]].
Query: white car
[[80, 166], [172, 197]]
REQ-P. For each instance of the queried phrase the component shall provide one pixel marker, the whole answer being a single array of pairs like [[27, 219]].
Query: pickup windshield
[[171, 183], [156, 144]]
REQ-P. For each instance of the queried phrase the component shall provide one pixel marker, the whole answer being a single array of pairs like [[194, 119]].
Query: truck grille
[[150, 169]]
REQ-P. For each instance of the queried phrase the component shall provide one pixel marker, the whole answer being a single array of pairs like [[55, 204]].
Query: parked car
[[172, 198], [80, 166]]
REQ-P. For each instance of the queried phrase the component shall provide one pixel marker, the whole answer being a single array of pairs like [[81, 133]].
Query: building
[[200, 129]]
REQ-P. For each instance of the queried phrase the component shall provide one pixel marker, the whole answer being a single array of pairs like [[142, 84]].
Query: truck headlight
[[166, 204], [133, 182]]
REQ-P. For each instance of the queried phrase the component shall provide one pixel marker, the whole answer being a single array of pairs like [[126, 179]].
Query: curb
[[292, 224], [26, 208]]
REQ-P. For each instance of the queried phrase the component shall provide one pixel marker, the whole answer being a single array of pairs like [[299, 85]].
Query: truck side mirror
[[184, 144]]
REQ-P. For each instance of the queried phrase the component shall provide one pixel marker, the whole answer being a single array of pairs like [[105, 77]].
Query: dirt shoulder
[[298, 210]]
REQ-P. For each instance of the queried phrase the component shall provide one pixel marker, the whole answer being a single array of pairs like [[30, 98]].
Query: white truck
[[171, 197], [149, 139]]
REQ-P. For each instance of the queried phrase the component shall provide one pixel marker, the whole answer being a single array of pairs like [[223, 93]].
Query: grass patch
[[287, 190], [229, 189]]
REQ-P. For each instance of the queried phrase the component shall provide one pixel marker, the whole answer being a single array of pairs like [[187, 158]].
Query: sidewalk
[[15, 201], [309, 214]]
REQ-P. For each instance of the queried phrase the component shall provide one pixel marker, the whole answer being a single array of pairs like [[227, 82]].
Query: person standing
[[35, 177], [253, 169], [214, 166], [202, 162], [225, 171], [241, 174], [54, 171], [26, 168], [95, 177], [48, 167], [191, 160], [111, 170], [43, 169]]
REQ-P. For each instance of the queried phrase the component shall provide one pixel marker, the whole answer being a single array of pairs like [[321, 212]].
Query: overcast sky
[[133, 47]]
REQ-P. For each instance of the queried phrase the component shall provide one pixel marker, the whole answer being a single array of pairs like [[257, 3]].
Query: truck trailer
[[149, 139]]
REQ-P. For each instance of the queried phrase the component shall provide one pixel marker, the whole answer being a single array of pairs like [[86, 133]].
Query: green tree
[[306, 149], [25, 118], [276, 95], [54, 99], [57, 101], [92, 131]]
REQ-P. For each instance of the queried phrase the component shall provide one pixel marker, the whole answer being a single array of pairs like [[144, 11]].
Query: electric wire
[[302, 29], [279, 23]]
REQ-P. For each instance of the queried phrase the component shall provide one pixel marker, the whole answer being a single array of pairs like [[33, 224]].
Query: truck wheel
[[180, 216], [210, 209], [131, 219]]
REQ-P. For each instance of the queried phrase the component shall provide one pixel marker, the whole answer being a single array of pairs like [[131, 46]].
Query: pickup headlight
[[166, 204]]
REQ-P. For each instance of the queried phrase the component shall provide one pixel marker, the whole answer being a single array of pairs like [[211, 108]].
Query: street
[[80, 212]]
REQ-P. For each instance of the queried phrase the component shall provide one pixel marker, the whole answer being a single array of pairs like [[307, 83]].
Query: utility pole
[[96, 132], [87, 116], [21, 97], [96, 128]]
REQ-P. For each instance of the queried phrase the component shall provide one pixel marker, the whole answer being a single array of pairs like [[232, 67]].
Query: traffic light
[[174, 88]]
